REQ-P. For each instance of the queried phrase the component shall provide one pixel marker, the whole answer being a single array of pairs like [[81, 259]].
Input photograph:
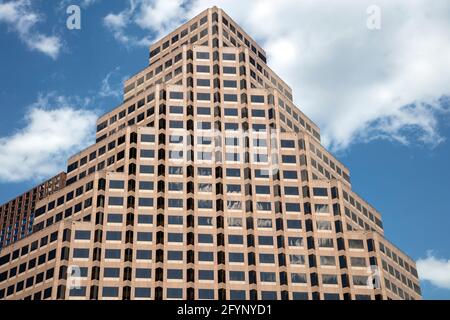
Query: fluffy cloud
[[19, 17], [357, 84], [54, 127], [436, 270], [154, 16]]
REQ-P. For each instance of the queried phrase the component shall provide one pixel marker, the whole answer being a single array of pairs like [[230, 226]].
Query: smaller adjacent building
[[16, 216]]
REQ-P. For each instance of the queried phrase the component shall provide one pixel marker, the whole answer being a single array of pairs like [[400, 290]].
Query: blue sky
[[377, 95]]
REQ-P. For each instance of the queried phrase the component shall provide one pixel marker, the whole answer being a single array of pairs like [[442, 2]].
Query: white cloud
[[19, 17], [357, 84], [157, 16], [111, 88], [436, 270], [54, 127], [88, 3]]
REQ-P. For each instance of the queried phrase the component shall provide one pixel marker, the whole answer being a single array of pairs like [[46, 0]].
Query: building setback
[[206, 183]]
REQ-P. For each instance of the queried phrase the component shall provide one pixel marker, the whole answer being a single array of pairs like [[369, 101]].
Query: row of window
[[28, 249]]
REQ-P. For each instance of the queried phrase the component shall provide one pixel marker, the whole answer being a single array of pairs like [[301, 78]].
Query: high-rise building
[[206, 183], [16, 216]]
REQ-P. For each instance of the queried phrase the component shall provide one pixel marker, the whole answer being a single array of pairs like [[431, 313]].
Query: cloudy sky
[[380, 95]]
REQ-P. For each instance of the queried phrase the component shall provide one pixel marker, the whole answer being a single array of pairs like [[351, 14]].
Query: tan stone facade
[[207, 183]]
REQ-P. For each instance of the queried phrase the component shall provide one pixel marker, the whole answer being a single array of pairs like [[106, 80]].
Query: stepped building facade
[[206, 183]]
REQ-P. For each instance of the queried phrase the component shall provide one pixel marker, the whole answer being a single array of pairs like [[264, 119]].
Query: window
[[237, 295], [295, 241], [203, 69], [322, 208], [206, 275], [358, 261], [202, 55], [175, 220], [233, 172], [176, 170], [320, 192], [82, 235], [174, 293], [143, 255], [300, 296], [176, 124], [150, 138], [78, 292], [229, 70], [291, 191], [234, 222], [205, 204], [237, 276], [258, 113], [294, 224], [142, 292], [360, 280], [80, 253], [145, 202], [112, 254], [356, 244], [146, 185], [230, 84], [203, 96], [262, 189], [143, 273], [110, 292], [205, 187], [144, 236], [236, 257], [146, 169], [324, 225], [203, 83], [331, 296], [114, 235], [329, 279], [266, 258], [175, 237], [327, 261], [265, 240], [111, 273], [235, 239], [264, 223], [175, 274], [204, 172], [229, 56], [147, 154], [114, 218], [267, 277], [298, 259], [292, 207], [287, 143], [206, 256], [206, 294], [115, 201], [116, 184], [145, 219], [176, 95], [325, 242], [175, 186], [288, 159], [298, 278], [230, 98], [257, 99]]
